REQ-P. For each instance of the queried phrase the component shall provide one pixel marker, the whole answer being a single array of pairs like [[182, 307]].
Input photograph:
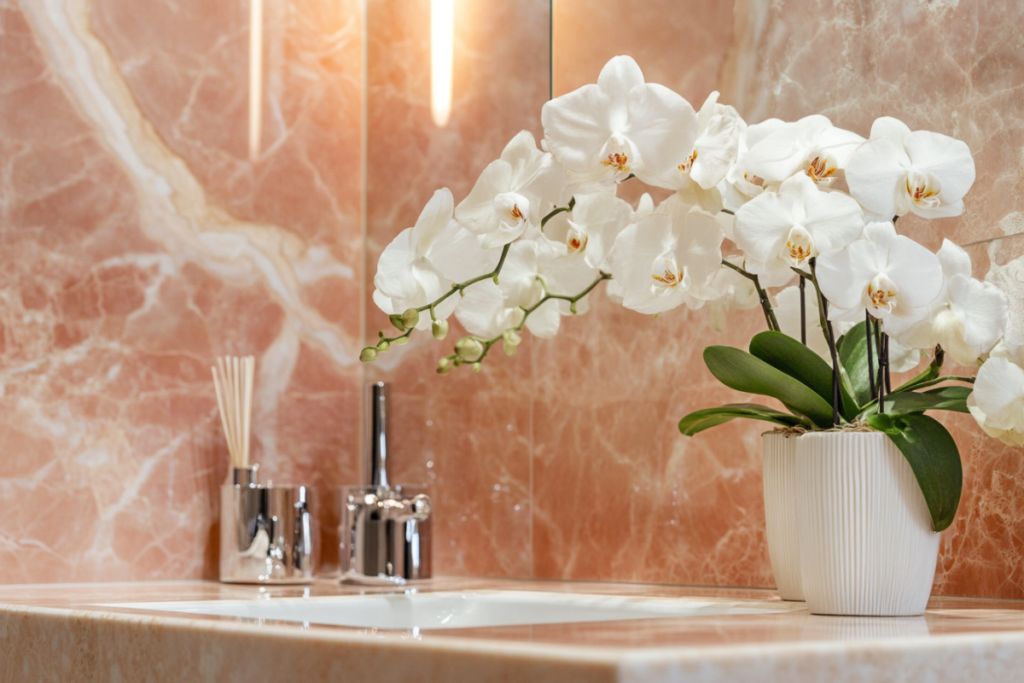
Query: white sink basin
[[463, 609]]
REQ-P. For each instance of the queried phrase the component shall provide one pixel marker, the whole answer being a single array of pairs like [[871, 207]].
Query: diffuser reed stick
[[233, 381]]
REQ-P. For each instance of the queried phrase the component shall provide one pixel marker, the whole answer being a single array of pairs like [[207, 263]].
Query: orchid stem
[[766, 304], [870, 343], [826, 326], [803, 311]]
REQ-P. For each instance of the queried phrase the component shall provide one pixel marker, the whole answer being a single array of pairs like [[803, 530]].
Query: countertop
[[62, 633]]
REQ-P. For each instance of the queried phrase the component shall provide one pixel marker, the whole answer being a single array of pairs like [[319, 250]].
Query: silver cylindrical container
[[266, 532], [385, 534]]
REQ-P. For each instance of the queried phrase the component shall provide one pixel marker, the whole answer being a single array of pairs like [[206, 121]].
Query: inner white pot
[[780, 513], [867, 547]]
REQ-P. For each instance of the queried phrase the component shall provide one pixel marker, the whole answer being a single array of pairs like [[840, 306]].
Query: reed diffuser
[[233, 381]]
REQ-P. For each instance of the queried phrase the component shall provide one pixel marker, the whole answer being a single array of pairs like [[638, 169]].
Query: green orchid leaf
[[944, 398], [741, 371], [700, 420], [853, 355], [784, 353], [934, 458]]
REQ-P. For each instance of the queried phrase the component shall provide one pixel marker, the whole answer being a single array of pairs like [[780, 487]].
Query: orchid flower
[[888, 275], [591, 227], [514, 191], [732, 292], [898, 171], [740, 185], [811, 146], [406, 278], [796, 223], [997, 402], [787, 312], [967, 318], [697, 176], [668, 258], [619, 126]]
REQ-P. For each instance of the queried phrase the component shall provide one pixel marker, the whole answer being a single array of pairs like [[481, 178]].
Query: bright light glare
[[442, 39]]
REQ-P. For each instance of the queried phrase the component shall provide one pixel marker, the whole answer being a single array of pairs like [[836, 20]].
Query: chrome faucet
[[385, 533]]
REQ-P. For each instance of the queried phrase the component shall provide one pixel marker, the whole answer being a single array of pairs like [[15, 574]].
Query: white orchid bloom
[[620, 126], [532, 268], [732, 292], [406, 277], [997, 402], [740, 184], [898, 171], [967, 318], [697, 176], [787, 312], [668, 258], [811, 146], [514, 191], [888, 275], [591, 227], [796, 223]]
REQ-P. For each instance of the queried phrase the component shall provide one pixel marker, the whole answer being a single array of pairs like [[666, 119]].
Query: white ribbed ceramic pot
[[780, 513], [866, 542]]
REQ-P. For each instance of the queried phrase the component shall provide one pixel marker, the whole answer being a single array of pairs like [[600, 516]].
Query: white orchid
[[406, 277], [888, 275], [898, 171], [997, 402], [740, 185], [787, 311], [732, 292], [697, 175], [796, 223], [620, 126], [591, 227], [811, 146], [967, 318], [514, 191], [533, 268], [668, 258]]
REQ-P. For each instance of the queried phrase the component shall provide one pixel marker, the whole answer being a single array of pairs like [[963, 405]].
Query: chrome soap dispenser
[[385, 534]]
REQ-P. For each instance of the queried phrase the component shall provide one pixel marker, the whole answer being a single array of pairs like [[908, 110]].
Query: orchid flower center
[[799, 246], [576, 239], [923, 189], [666, 274], [883, 293], [512, 208], [688, 164], [618, 162], [822, 168]]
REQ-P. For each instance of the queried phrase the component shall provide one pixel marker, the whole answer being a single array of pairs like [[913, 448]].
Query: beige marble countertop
[[62, 633]]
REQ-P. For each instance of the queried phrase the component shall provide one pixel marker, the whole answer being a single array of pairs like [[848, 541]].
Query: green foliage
[[741, 371], [700, 420], [934, 458]]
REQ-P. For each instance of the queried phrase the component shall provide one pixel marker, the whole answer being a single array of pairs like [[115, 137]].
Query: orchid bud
[[410, 318], [510, 341], [439, 328], [397, 322], [402, 341], [368, 354], [469, 348], [476, 367], [383, 345], [444, 366]]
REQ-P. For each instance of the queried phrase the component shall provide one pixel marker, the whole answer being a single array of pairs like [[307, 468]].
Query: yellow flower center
[[617, 161]]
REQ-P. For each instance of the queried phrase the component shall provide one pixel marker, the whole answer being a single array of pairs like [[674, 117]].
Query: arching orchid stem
[[766, 303], [871, 361], [803, 311], [488, 343], [826, 326]]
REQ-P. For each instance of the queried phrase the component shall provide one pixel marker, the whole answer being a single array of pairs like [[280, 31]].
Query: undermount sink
[[462, 609]]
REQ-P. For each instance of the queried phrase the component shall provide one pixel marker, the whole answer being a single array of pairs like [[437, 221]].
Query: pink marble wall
[[139, 242]]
